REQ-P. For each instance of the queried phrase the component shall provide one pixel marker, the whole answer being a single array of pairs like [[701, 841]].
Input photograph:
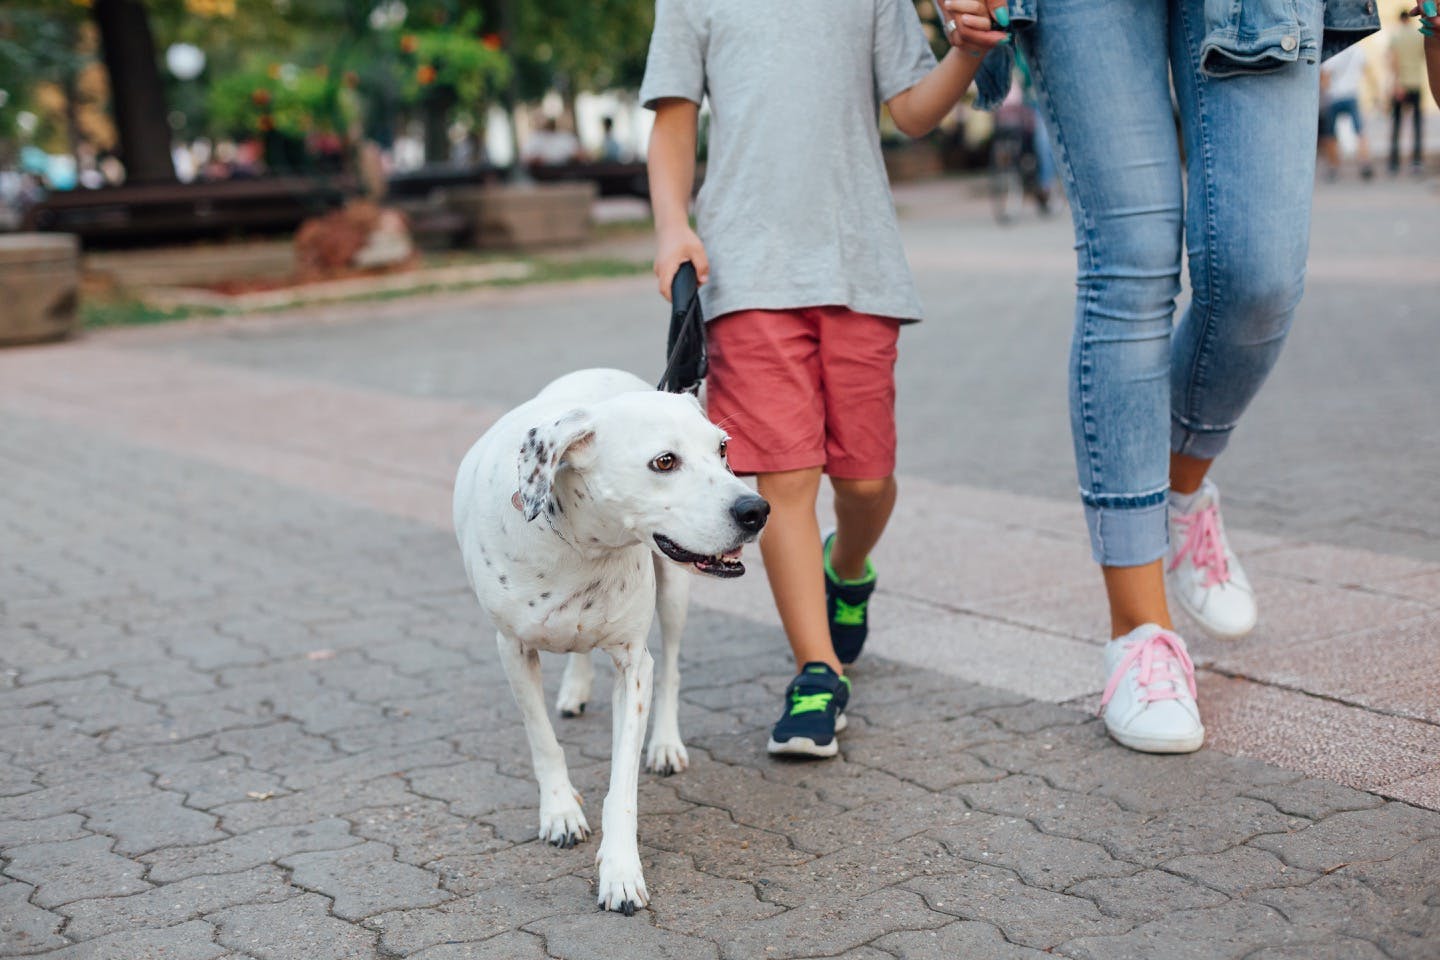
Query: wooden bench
[[610, 179], [126, 215]]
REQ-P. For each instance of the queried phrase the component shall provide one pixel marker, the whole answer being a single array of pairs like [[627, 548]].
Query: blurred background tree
[[298, 75]]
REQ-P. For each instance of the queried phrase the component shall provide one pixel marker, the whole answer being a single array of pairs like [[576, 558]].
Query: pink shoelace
[[1203, 544], [1159, 656]]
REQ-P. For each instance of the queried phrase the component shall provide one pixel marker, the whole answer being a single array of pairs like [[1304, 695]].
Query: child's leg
[[862, 508], [765, 390], [795, 565], [858, 354]]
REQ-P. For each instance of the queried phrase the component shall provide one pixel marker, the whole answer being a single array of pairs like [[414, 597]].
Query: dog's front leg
[[561, 820], [622, 884], [666, 753]]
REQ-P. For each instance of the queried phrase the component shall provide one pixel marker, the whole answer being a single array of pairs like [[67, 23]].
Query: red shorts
[[810, 387]]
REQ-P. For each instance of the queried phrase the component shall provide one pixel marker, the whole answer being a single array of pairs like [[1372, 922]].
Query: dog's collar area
[[720, 565]]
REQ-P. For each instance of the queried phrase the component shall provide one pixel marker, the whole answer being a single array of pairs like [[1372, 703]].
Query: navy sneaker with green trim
[[814, 713], [847, 605]]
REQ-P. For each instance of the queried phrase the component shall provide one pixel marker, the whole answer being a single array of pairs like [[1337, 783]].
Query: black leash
[[685, 351]]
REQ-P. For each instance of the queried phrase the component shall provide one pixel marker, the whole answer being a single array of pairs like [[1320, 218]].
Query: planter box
[[512, 217], [39, 287], [913, 161], [188, 265]]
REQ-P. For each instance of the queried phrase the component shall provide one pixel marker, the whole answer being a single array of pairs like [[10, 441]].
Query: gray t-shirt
[[796, 208]]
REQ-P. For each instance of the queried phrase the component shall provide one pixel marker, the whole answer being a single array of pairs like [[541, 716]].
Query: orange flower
[[274, 71], [261, 97], [266, 123], [408, 43], [491, 41], [426, 75], [352, 79]]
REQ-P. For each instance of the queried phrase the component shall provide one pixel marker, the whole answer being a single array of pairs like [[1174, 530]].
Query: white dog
[[566, 510]]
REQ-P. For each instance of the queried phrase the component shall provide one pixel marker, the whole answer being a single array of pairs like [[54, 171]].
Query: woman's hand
[[674, 247], [971, 25], [1427, 12]]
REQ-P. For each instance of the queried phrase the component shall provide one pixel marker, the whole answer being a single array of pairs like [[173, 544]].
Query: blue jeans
[[1142, 386]]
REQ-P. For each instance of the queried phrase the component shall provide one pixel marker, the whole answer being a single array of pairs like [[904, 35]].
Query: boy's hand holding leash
[[673, 247]]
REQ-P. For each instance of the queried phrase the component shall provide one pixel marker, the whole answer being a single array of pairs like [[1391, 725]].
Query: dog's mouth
[[722, 565]]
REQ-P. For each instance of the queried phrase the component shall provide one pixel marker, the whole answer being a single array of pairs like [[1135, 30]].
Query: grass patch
[[98, 314], [130, 312]]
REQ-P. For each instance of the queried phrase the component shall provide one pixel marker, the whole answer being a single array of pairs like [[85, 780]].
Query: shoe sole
[[1178, 596], [1152, 745], [802, 747]]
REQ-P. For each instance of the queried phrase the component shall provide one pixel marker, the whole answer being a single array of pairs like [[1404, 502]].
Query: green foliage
[[453, 58], [280, 97], [38, 43], [580, 44]]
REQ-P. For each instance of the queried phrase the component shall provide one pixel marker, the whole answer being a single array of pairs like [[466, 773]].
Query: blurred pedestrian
[[1340, 81], [1407, 81], [610, 149], [550, 146]]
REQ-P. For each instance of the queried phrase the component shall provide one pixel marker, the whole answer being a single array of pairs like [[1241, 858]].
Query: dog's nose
[[750, 512]]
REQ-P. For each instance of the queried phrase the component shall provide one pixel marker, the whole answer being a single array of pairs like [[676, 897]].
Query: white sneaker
[[1149, 702], [1201, 570]]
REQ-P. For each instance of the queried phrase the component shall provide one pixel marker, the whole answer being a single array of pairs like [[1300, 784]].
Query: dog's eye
[[724, 446], [665, 463]]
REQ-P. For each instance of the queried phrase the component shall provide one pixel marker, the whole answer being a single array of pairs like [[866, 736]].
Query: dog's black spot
[[539, 576], [504, 579], [545, 595], [588, 604], [533, 431], [530, 603], [552, 508]]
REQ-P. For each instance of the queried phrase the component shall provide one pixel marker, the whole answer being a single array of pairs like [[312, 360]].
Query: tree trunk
[[435, 111], [138, 98]]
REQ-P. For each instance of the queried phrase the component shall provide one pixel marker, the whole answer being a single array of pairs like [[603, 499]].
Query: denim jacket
[[1241, 36]]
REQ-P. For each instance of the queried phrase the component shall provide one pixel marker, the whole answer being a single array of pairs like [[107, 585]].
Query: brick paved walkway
[[249, 709]]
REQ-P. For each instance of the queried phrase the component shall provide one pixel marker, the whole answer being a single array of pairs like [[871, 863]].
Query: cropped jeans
[[1141, 385]]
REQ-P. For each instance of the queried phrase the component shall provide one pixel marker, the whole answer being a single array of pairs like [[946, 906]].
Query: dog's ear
[[546, 448]]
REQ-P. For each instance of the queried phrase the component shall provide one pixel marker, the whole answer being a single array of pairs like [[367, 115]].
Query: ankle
[[828, 658], [1124, 624], [846, 569]]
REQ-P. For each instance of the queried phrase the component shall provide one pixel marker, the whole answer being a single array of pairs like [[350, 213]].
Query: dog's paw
[[666, 757], [622, 884], [563, 825]]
